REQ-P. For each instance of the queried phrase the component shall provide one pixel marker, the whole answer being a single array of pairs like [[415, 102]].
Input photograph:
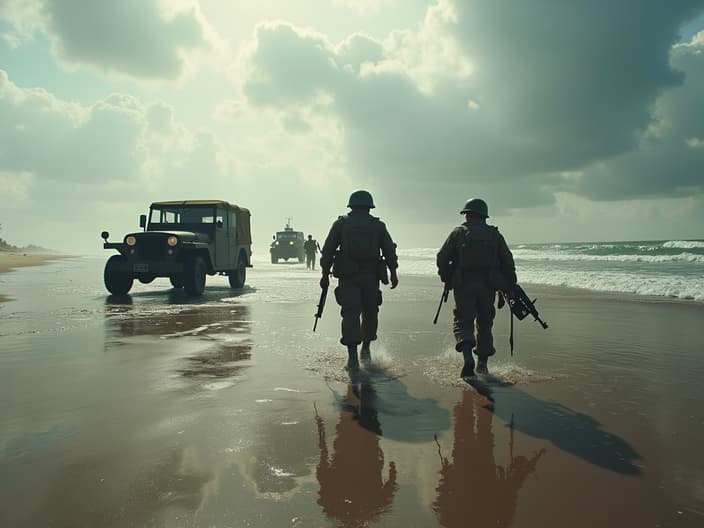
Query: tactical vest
[[478, 249], [360, 239]]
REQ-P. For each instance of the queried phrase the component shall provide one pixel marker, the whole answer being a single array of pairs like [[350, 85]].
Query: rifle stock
[[321, 306]]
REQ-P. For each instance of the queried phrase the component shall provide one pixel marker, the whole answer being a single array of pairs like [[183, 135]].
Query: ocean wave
[[684, 244], [530, 254]]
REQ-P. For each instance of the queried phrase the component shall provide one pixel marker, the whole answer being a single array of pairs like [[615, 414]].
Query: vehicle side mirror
[[274, 237], [104, 235], [142, 221]]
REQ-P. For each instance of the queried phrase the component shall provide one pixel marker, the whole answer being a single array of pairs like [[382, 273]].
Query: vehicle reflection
[[472, 486], [225, 328], [352, 487]]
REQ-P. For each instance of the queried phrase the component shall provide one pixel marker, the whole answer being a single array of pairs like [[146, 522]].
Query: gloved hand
[[394, 279], [325, 280]]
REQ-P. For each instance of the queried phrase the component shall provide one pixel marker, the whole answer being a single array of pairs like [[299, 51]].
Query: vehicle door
[[222, 240]]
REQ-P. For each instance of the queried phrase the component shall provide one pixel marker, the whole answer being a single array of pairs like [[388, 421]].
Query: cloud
[[146, 39], [499, 97]]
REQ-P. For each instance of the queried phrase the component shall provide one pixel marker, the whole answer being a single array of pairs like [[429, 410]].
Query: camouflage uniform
[[475, 261], [360, 238]]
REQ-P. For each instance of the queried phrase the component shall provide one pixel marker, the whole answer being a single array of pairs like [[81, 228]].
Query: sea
[[662, 268]]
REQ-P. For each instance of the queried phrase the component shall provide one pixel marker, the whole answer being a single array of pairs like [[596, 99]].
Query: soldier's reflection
[[352, 487], [472, 487]]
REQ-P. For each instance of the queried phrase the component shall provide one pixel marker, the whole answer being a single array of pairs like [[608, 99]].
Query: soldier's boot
[[352, 360], [366, 353], [482, 367], [468, 367]]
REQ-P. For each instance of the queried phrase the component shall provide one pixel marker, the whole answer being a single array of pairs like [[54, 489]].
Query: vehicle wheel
[[239, 275], [176, 282], [146, 279], [274, 260], [117, 282], [301, 259], [194, 278]]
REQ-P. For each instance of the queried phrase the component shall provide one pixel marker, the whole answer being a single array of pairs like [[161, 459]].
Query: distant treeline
[[5, 246]]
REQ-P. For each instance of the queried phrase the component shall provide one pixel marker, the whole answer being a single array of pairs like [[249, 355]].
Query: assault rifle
[[443, 299], [321, 305], [521, 306]]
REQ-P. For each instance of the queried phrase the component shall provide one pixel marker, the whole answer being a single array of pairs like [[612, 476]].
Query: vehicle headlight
[[276, 243], [290, 243], [130, 240], [172, 240]]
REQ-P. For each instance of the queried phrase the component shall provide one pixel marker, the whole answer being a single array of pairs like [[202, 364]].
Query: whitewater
[[667, 268]]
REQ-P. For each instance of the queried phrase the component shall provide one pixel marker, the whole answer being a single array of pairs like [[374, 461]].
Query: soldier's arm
[[506, 263], [388, 248], [332, 242], [446, 258]]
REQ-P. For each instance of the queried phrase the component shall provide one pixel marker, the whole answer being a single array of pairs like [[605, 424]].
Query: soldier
[[359, 267], [310, 246], [475, 261]]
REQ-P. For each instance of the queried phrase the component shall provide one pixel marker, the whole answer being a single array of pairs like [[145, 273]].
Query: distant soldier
[[475, 261], [311, 247], [362, 239]]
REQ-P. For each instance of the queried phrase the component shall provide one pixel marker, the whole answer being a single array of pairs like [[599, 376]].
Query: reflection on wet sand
[[472, 486], [225, 327], [352, 487], [87, 493]]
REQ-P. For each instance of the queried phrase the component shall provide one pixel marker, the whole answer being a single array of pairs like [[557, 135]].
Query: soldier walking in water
[[311, 246], [353, 251], [474, 262]]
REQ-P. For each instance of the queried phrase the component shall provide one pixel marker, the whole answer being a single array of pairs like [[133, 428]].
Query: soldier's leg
[[485, 321], [371, 300], [463, 318], [463, 327], [312, 261], [349, 296]]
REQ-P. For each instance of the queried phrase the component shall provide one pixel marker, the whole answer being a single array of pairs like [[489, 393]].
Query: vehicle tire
[[117, 282], [176, 282], [238, 275], [194, 278], [274, 260], [301, 260]]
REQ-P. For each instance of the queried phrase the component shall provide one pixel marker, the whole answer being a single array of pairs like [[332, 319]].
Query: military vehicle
[[287, 244], [184, 241]]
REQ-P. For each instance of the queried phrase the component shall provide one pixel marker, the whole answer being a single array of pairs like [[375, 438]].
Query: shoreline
[[11, 260]]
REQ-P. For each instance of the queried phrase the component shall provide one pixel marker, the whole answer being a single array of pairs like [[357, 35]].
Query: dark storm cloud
[[555, 87], [127, 36], [670, 159]]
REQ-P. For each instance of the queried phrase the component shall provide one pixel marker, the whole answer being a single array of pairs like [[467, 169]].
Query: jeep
[[287, 244], [184, 241]]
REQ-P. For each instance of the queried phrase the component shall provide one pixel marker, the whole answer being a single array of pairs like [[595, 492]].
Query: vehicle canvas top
[[243, 214]]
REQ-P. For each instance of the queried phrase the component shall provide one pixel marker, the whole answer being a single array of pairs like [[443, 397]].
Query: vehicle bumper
[[159, 268]]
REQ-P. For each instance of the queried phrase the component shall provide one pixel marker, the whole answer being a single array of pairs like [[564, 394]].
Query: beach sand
[[159, 410]]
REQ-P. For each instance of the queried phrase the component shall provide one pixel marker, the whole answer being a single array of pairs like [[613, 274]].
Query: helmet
[[361, 199], [476, 205]]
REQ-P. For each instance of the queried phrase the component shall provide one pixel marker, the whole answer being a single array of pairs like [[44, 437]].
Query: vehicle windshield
[[286, 235], [201, 218]]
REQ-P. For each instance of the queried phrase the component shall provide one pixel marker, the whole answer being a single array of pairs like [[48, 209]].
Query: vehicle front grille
[[152, 249]]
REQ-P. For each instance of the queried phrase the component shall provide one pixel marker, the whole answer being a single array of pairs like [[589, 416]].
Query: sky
[[575, 121]]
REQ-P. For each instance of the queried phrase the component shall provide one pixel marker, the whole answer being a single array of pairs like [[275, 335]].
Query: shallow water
[[158, 410]]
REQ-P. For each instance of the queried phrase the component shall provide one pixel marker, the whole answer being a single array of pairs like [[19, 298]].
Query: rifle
[[521, 305], [321, 305], [443, 299]]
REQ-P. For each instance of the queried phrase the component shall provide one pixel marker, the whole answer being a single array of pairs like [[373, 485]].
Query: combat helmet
[[361, 199], [476, 205]]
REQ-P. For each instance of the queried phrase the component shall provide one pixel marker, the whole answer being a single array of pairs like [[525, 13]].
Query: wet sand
[[158, 410], [10, 260]]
